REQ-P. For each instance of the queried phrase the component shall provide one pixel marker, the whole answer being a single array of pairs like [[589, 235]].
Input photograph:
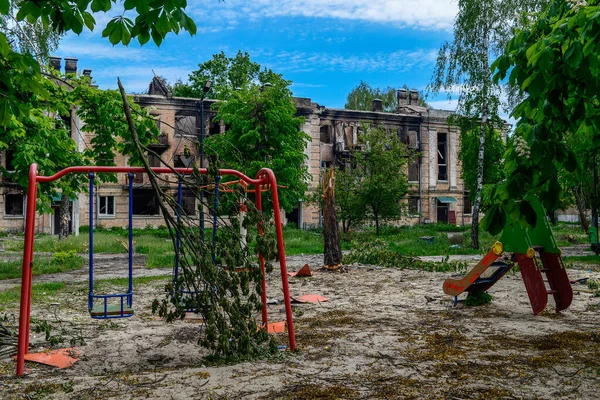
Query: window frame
[[410, 212], [24, 207], [465, 200], [106, 214], [444, 156]]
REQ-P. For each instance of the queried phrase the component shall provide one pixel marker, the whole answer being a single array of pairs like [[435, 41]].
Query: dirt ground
[[383, 333]]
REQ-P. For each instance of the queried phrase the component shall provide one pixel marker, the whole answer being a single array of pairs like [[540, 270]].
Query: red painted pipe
[[25, 311], [261, 260], [281, 249]]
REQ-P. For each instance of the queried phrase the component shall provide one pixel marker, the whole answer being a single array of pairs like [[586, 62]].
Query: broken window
[[13, 204], [106, 206], [326, 134], [442, 156], [138, 177], [145, 202], [349, 136], [158, 121], [413, 170], [9, 156], [185, 125], [413, 205], [181, 161], [214, 127], [413, 143], [188, 202], [467, 205], [154, 160]]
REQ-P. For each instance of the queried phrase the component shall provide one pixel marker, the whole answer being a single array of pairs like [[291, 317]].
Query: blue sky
[[326, 47]]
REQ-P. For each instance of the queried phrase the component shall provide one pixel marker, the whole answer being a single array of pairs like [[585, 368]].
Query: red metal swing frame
[[265, 179]]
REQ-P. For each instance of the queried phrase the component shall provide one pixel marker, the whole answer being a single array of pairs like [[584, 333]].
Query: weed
[[478, 298]]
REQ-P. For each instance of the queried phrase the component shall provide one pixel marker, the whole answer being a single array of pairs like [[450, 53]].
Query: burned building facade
[[436, 188]]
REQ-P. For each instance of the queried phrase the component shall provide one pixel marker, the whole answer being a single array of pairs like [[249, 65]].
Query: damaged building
[[436, 188]]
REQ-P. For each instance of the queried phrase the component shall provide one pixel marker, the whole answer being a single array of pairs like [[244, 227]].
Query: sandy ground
[[383, 333]]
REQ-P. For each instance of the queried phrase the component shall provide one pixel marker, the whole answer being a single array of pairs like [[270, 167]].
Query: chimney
[[402, 97], [55, 63], [70, 66], [414, 97], [87, 73], [377, 105]]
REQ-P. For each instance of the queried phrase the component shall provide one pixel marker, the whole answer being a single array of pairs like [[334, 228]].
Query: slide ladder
[[556, 282]]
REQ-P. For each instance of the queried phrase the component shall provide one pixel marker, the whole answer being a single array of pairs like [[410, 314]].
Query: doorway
[[442, 212]]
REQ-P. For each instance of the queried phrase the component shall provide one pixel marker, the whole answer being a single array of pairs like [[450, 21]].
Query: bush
[[378, 252], [478, 298]]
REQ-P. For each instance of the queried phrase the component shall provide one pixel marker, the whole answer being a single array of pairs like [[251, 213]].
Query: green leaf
[[570, 163], [89, 20], [142, 7], [163, 25], [527, 211], [116, 35], [101, 5], [156, 37], [143, 37], [4, 7], [131, 4], [574, 56], [494, 220], [126, 36], [5, 112]]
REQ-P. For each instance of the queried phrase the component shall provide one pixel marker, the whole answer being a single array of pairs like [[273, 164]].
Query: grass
[[60, 262], [591, 259], [39, 292], [156, 245]]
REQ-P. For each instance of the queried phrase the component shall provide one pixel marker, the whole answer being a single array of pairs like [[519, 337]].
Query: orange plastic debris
[[276, 327], [61, 358], [304, 271], [310, 298]]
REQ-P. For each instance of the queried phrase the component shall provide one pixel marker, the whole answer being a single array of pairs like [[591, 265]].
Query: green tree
[[469, 151], [351, 208], [259, 112], [46, 137], [362, 96], [480, 29], [28, 38], [553, 60], [31, 107], [381, 180], [227, 75]]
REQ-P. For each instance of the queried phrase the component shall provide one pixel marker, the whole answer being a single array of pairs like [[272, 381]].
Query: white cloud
[[76, 47], [426, 14], [444, 104], [398, 61]]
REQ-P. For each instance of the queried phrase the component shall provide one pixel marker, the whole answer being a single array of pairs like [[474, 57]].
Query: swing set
[[120, 305]]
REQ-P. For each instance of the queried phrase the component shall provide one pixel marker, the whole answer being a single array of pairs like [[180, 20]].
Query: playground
[[362, 332], [382, 333]]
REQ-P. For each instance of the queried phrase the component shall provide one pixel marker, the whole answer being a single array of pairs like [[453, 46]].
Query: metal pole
[[130, 287], [201, 143], [595, 193], [91, 245], [178, 237], [25, 308]]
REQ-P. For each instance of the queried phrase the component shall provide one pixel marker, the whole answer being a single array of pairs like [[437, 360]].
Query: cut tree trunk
[[333, 250], [63, 217]]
